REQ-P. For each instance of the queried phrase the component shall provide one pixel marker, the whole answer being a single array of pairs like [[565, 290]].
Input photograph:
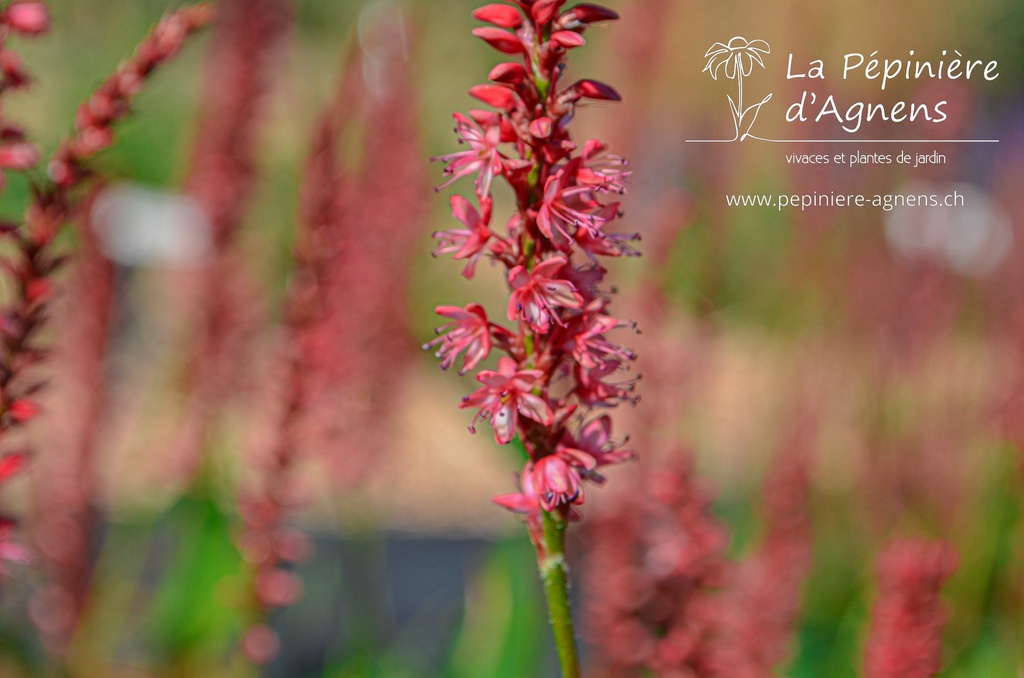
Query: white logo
[[736, 60]]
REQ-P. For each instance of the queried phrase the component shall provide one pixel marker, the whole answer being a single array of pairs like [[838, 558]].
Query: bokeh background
[[866, 365]]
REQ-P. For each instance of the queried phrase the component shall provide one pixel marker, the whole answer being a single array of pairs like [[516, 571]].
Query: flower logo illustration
[[736, 60]]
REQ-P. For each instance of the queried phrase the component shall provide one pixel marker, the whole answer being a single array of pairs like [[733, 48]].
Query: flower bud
[[19, 156], [544, 10], [501, 40], [586, 14], [505, 16], [508, 73], [28, 17], [494, 95], [592, 89], [568, 39]]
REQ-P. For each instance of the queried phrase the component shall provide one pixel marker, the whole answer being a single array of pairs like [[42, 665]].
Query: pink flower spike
[[482, 158], [470, 242], [469, 331], [536, 296], [505, 394], [499, 39], [504, 16]]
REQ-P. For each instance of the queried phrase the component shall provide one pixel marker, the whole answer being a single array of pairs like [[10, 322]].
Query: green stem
[[556, 589]]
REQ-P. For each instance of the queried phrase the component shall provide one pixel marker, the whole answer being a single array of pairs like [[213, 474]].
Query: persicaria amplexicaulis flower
[[559, 364]]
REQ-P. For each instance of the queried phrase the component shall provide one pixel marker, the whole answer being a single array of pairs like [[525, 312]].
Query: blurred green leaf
[[504, 626], [193, 619]]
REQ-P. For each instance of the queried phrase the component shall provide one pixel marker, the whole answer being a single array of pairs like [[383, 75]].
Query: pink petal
[[535, 408], [520, 503], [549, 267], [562, 293], [596, 434], [504, 423], [464, 211]]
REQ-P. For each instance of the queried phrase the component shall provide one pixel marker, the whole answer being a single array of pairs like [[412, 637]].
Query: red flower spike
[[509, 73], [501, 40], [505, 16], [905, 640], [28, 17], [559, 366], [494, 95], [592, 89], [568, 39]]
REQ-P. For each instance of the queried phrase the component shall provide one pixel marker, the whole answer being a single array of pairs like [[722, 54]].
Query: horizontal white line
[[850, 141]]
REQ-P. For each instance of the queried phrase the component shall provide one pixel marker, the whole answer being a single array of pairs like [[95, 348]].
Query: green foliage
[[194, 619], [504, 627]]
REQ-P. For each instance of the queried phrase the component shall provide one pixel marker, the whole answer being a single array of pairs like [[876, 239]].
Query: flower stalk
[[556, 590], [559, 368]]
